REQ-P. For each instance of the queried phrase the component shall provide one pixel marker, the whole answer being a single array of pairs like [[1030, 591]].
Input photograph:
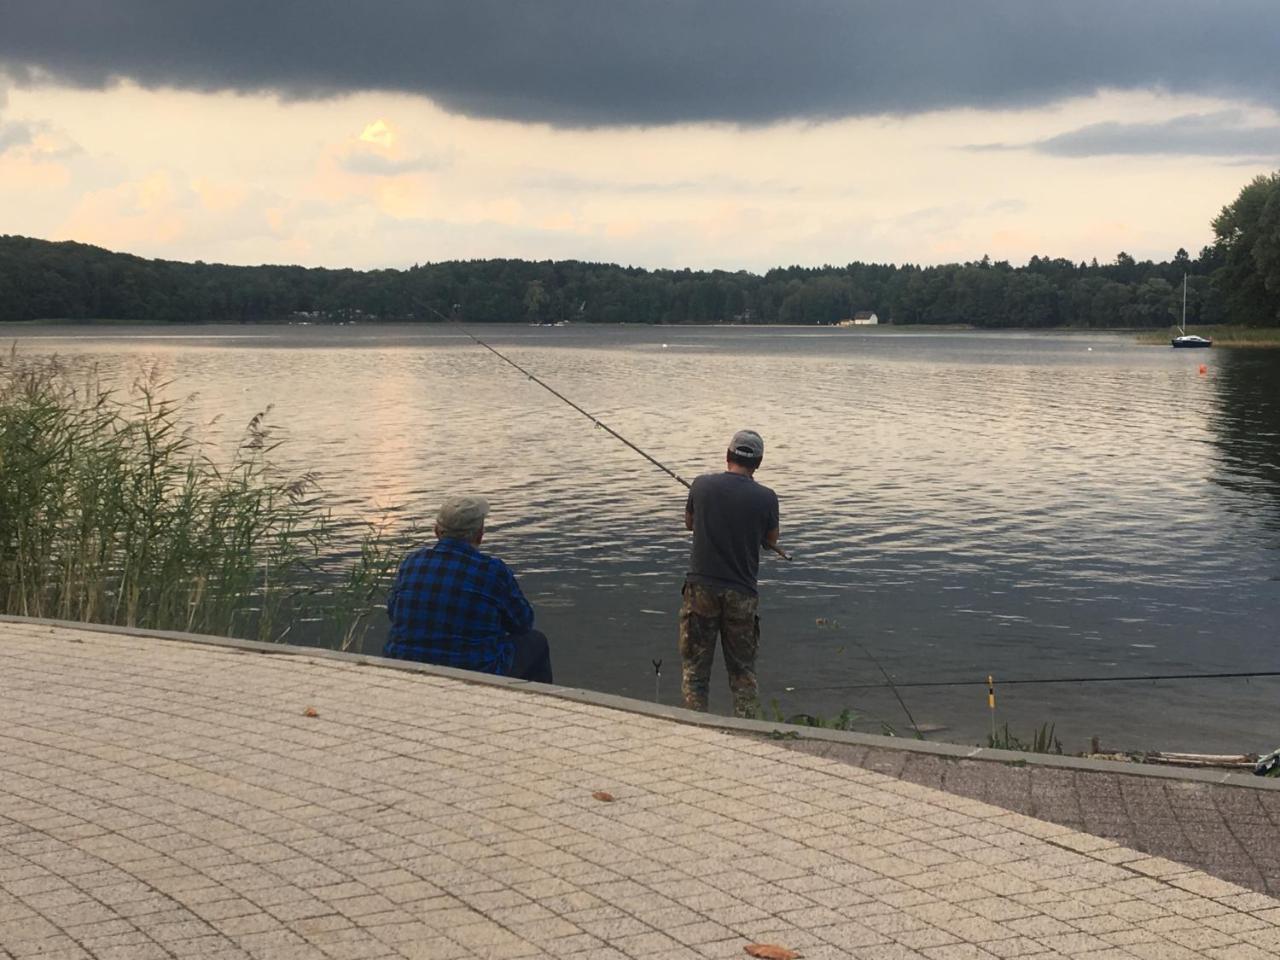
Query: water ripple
[[959, 504]]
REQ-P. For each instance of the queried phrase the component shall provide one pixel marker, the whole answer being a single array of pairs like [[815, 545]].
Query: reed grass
[[112, 512], [357, 600]]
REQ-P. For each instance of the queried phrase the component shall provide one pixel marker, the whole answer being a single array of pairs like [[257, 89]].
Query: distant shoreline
[[1223, 336], [1265, 337], [67, 279], [1154, 335]]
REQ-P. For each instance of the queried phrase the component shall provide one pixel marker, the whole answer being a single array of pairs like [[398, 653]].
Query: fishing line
[[675, 476], [560, 396], [890, 683], [594, 419], [1249, 675]]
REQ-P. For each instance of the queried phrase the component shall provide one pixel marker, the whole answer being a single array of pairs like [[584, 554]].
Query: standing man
[[731, 516], [457, 607]]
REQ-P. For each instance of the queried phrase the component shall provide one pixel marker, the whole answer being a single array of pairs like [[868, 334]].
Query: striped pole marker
[[991, 704]]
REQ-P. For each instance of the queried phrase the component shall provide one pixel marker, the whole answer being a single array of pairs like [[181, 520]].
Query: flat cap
[[462, 515]]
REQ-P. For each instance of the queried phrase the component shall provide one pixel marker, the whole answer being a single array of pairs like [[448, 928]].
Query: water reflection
[[959, 504], [1247, 431]]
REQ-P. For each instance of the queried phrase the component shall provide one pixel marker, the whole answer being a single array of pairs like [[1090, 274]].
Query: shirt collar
[[456, 544]]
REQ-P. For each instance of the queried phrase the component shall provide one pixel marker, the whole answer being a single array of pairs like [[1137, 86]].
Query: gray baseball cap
[[462, 515], [747, 443]]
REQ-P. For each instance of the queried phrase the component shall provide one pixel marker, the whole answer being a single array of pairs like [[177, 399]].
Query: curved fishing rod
[[594, 419], [675, 476]]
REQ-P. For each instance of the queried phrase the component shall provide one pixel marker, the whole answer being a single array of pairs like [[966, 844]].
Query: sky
[[730, 134]]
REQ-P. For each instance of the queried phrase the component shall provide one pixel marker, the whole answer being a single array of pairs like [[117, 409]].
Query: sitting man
[[454, 606]]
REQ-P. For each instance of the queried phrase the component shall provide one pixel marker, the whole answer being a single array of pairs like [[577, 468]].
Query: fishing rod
[[888, 681], [1147, 678], [675, 476], [594, 419]]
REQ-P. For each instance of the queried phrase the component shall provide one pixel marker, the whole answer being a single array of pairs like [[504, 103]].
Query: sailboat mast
[[1183, 328]]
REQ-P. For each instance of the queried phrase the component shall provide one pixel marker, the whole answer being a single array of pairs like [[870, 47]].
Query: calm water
[[959, 504]]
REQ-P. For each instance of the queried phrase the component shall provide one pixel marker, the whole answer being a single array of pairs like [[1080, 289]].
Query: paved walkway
[[166, 799], [1231, 832]]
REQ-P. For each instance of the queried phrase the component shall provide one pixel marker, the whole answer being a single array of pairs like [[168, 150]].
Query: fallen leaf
[[770, 951], [310, 712], [603, 796]]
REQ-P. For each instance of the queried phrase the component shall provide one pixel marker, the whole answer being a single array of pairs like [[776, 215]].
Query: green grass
[[1042, 740], [844, 720], [112, 512], [1224, 336]]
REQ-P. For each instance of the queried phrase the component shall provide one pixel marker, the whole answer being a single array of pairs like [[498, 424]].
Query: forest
[[1236, 280]]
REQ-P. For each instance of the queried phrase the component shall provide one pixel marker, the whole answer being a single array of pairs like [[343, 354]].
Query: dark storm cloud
[[606, 62], [1222, 134]]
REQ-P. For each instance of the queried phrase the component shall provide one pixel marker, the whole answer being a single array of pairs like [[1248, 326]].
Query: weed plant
[[112, 512], [844, 720], [1042, 740]]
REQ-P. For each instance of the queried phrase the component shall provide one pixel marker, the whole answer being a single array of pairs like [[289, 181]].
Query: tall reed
[[112, 512], [355, 600]]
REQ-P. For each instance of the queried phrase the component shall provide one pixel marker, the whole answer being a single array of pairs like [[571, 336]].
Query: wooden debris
[[1201, 759]]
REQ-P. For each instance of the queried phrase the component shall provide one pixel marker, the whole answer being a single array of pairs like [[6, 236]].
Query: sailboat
[[1184, 339]]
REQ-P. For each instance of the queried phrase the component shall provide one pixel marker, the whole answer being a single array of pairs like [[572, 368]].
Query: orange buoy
[[1203, 368]]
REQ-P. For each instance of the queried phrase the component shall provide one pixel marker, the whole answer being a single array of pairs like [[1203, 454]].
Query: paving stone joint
[[167, 799]]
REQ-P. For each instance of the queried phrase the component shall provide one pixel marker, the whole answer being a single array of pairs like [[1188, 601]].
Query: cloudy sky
[[739, 134]]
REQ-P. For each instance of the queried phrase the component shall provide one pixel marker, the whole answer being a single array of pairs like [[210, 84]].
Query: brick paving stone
[[1220, 829], [169, 799]]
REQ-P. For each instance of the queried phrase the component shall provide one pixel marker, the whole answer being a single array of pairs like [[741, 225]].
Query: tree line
[[1236, 279]]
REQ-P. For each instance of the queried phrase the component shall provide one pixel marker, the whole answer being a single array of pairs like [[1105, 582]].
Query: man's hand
[[771, 541]]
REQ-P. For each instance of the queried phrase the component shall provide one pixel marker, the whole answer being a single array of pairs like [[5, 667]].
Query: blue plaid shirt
[[455, 606]]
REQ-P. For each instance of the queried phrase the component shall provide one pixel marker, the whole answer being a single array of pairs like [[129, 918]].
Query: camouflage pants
[[705, 613]]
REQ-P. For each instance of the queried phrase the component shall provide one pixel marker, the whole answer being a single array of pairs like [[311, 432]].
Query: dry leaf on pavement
[[770, 951]]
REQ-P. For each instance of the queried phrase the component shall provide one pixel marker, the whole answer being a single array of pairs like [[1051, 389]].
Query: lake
[[959, 504]]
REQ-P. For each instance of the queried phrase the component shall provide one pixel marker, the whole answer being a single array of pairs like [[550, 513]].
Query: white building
[[863, 318]]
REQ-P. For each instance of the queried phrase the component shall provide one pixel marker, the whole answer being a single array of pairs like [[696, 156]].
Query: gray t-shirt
[[731, 516]]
